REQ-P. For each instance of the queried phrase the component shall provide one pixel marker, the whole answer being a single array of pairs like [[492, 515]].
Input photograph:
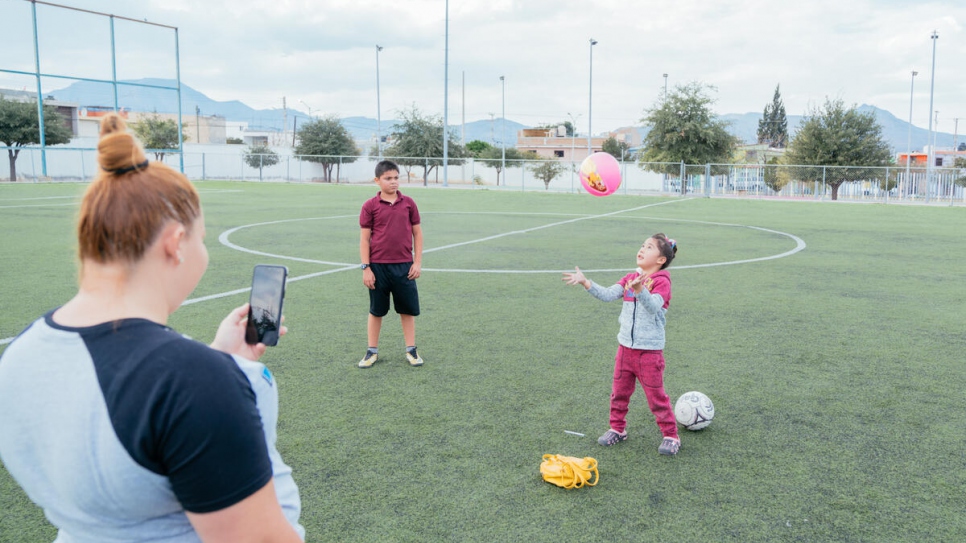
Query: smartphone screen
[[265, 308]]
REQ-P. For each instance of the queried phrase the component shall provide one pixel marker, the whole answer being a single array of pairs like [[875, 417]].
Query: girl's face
[[649, 257]]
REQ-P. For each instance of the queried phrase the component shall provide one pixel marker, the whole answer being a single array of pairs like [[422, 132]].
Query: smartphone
[[265, 307]]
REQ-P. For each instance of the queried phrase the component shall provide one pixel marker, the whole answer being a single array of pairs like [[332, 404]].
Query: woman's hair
[[130, 200], [668, 248]]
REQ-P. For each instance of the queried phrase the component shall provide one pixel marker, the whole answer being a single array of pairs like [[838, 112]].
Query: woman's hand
[[230, 337]]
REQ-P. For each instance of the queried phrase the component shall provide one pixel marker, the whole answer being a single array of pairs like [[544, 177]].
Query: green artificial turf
[[836, 372]]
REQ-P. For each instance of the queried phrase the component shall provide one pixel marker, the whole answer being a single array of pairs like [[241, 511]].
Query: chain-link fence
[[894, 183]]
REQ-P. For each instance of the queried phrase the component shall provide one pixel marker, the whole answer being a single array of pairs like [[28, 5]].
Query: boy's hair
[[386, 166], [668, 248]]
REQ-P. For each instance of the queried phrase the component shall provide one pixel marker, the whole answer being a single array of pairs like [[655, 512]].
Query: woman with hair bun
[[120, 428]]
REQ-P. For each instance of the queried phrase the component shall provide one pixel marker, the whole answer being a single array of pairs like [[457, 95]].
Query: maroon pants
[[630, 366]]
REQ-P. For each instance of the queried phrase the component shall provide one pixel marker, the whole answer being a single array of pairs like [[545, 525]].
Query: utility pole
[[956, 134]]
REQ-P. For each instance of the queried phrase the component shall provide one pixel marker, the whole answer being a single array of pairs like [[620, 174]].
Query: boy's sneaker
[[413, 357], [611, 437], [368, 360], [669, 446]]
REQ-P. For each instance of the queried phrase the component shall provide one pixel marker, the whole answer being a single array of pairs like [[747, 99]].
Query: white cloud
[[324, 53]]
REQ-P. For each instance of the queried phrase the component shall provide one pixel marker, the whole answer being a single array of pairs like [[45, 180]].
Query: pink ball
[[600, 174]]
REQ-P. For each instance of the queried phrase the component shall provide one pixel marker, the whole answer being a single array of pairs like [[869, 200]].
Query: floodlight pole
[[503, 133], [378, 106], [590, 97], [912, 87], [446, 101], [177, 69], [932, 84], [665, 86], [40, 97]]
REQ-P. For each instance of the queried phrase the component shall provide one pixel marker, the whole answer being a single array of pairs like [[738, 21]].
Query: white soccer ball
[[694, 410]]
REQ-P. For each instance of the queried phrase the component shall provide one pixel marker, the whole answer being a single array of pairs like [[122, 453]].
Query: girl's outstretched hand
[[576, 278], [230, 337]]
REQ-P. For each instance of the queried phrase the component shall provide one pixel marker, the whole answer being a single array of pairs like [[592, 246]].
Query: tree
[[493, 157], [158, 135], [418, 141], [961, 164], [832, 135], [775, 175], [259, 156], [684, 129], [325, 141], [773, 125], [547, 170], [620, 150], [19, 126], [475, 147]]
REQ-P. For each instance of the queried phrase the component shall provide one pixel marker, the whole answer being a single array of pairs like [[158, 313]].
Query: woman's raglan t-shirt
[[116, 429]]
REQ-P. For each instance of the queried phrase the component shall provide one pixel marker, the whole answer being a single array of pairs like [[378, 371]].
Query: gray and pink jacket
[[642, 316]]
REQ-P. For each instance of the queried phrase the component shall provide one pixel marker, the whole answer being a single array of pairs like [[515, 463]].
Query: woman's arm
[[256, 519]]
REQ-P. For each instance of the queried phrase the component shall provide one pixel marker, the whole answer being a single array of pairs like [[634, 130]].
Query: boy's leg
[[658, 401], [378, 307], [409, 329], [373, 328]]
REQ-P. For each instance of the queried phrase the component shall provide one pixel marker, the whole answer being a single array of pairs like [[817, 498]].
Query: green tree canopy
[[493, 157], [19, 126], [773, 125], [158, 135], [833, 135], [685, 129], [475, 147], [326, 142], [259, 156], [418, 141], [547, 170], [618, 149]]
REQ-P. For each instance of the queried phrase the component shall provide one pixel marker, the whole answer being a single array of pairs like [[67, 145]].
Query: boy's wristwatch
[[363, 266]]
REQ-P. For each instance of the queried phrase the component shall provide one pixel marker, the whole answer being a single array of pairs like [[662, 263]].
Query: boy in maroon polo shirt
[[391, 249]]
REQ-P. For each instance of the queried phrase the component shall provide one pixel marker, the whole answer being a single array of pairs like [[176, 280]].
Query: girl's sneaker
[[612, 437], [669, 446]]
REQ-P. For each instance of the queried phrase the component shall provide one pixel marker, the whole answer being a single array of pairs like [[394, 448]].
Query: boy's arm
[[416, 269], [368, 278]]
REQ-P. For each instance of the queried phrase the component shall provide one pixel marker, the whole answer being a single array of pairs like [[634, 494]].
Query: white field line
[[223, 238], [77, 199]]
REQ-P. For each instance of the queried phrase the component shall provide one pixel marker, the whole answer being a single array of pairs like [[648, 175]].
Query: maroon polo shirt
[[392, 228]]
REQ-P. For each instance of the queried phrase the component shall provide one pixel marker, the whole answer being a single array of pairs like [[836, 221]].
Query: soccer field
[[830, 337]]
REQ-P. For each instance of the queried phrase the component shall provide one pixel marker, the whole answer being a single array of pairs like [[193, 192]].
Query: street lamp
[[590, 98], [503, 133], [912, 86], [929, 156], [665, 86], [378, 106]]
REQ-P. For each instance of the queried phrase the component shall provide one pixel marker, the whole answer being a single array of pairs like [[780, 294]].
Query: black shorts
[[393, 279]]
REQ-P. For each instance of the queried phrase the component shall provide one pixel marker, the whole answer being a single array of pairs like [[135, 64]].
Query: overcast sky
[[322, 54]]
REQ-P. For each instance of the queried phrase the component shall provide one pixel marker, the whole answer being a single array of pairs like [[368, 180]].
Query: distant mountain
[[894, 130], [161, 100]]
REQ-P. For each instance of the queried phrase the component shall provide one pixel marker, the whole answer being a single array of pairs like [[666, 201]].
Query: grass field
[[837, 371]]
